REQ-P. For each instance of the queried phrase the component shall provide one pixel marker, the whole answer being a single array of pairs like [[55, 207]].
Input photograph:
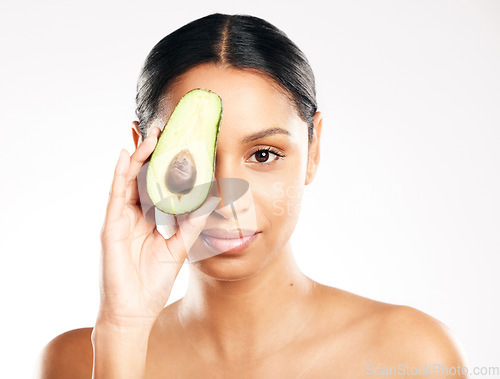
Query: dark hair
[[239, 41]]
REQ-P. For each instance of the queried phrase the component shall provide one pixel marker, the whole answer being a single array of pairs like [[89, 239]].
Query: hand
[[139, 266]]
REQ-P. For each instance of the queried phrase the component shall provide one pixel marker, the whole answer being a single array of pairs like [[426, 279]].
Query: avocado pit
[[181, 173]]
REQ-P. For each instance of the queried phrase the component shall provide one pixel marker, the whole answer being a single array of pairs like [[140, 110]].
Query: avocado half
[[181, 168]]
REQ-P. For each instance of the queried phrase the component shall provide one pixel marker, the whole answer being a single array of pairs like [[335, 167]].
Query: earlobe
[[136, 134], [314, 148]]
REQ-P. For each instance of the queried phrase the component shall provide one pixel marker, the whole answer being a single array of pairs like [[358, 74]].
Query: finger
[[118, 188], [166, 223], [190, 227], [142, 153], [137, 162]]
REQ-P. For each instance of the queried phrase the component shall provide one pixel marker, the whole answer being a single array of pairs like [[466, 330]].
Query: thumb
[[190, 227]]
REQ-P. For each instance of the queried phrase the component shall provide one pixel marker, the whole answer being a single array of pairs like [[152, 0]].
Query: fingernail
[[154, 131]]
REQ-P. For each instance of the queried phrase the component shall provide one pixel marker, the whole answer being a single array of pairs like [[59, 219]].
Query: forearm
[[119, 352]]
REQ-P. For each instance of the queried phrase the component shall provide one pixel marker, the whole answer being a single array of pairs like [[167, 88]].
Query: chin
[[234, 266]]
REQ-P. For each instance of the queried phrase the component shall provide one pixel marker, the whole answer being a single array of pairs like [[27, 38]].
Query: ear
[[314, 151], [136, 134]]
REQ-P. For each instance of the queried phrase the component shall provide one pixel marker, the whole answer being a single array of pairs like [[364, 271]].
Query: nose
[[230, 185]]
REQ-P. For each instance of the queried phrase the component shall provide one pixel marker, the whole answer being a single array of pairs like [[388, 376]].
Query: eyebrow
[[264, 133]]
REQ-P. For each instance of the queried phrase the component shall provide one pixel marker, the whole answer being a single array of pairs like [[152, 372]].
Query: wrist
[[124, 323], [119, 351], [132, 331]]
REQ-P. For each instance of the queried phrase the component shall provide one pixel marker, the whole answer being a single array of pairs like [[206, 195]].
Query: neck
[[251, 316]]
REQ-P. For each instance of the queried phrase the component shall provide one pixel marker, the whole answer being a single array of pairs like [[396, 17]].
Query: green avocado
[[181, 168]]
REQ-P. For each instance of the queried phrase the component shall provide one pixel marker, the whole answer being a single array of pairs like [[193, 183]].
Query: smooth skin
[[252, 314]]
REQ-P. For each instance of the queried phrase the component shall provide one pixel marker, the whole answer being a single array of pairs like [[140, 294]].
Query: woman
[[249, 311]]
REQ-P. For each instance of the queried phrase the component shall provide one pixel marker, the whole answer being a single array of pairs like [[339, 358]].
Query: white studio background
[[405, 207]]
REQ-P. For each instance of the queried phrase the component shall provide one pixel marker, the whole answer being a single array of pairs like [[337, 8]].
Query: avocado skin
[[181, 168]]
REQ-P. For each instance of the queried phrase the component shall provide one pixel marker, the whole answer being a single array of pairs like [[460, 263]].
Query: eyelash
[[271, 150]]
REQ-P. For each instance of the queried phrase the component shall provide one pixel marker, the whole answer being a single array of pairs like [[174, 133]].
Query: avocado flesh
[[181, 168]]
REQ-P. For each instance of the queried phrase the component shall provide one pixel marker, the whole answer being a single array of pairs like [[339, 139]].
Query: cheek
[[286, 201], [278, 193], [278, 199]]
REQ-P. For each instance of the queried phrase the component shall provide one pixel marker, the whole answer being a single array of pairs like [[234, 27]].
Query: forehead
[[251, 101]]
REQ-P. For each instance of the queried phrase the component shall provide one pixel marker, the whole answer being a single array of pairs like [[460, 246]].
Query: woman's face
[[264, 142]]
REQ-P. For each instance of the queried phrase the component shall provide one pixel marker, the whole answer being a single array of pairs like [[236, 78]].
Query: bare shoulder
[[391, 336], [69, 355], [414, 336]]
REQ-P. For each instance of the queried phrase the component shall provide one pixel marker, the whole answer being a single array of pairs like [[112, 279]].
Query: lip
[[234, 233], [228, 241]]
